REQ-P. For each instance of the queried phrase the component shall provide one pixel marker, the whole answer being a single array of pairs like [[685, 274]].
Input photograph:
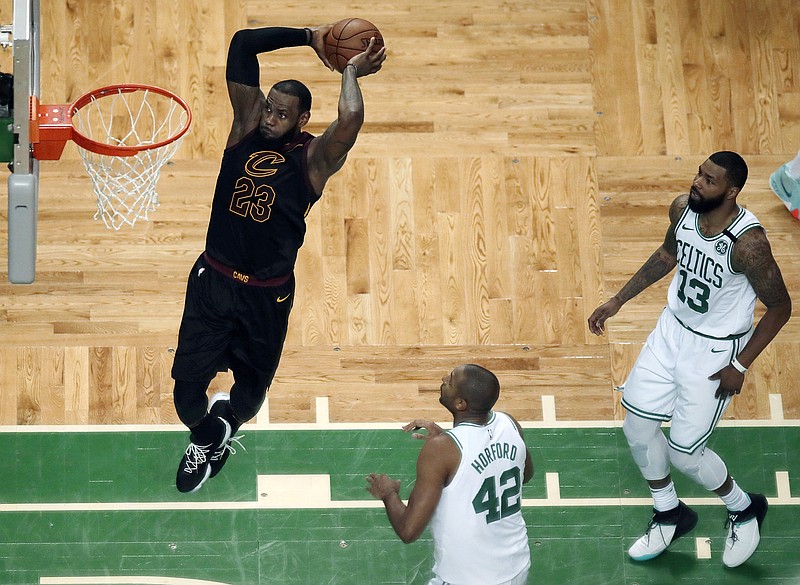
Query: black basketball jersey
[[262, 196]]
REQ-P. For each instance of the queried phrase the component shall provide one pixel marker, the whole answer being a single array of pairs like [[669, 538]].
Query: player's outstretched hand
[[417, 424], [597, 320], [381, 485], [318, 35], [370, 61]]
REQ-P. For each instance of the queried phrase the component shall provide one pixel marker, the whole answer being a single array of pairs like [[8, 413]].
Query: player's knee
[[648, 446], [703, 466], [246, 410], [687, 463], [651, 458], [640, 453], [636, 441], [640, 430]]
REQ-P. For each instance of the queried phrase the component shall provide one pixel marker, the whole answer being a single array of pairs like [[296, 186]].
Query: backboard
[[23, 182]]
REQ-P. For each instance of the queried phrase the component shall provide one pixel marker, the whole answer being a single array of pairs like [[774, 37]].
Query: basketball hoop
[[125, 133]]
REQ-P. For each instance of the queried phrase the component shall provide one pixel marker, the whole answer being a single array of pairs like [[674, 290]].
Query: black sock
[[229, 416]]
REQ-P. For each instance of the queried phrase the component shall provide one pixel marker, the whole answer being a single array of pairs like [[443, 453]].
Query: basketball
[[348, 38]]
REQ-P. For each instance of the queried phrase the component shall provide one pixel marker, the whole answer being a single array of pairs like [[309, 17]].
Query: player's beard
[[705, 205], [273, 143]]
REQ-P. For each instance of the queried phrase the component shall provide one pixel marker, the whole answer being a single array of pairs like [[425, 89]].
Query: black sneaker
[[219, 406], [195, 467], [744, 531], [663, 530]]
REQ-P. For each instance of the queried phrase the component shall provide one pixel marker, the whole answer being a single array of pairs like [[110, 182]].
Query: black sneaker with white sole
[[195, 466], [220, 406]]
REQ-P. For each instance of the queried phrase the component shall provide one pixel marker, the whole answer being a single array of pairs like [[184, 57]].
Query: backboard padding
[[23, 191]]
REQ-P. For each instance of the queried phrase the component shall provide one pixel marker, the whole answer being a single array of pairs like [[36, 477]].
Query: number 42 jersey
[[478, 530], [706, 294]]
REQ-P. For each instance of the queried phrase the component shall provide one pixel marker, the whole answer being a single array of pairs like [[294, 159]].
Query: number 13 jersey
[[706, 294], [478, 530]]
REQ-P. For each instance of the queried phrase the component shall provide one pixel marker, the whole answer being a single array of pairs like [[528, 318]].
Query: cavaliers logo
[[254, 199], [263, 163], [721, 247]]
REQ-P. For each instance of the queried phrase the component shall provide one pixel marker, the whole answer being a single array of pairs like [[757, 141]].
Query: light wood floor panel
[[515, 168]]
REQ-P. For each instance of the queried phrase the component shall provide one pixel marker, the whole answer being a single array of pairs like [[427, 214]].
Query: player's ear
[[460, 404], [303, 119]]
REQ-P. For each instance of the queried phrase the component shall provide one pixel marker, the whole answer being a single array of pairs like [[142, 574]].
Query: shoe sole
[[199, 485], [645, 557]]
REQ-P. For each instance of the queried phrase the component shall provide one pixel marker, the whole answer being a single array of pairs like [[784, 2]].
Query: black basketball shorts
[[228, 324]]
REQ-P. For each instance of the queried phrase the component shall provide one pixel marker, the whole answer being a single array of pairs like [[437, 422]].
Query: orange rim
[[109, 149]]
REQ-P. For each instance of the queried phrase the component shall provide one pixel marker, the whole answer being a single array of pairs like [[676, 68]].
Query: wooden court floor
[[515, 168]]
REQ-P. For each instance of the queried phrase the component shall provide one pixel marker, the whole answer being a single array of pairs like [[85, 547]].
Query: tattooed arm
[[753, 256], [661, 263], [327, 153]]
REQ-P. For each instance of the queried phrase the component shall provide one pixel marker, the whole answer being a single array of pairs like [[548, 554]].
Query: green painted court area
[[97, 507]]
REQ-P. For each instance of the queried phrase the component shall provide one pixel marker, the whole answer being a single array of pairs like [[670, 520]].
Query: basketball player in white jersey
[[469, 487], [695, 360]]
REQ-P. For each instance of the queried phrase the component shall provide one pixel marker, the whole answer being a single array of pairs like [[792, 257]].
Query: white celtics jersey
[[706, 295], [478, 530]]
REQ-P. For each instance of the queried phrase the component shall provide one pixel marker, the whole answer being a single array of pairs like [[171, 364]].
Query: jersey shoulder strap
[[744, 221]]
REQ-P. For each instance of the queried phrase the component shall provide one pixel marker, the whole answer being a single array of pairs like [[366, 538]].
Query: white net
[[125, 186]]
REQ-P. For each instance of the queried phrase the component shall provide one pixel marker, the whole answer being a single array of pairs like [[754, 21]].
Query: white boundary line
[[261, 422], [312, 491], [342, 504], [358, 426], [128, 580]]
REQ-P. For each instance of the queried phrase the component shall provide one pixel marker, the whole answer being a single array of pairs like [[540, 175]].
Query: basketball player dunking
[[694, 362], [240, 289]]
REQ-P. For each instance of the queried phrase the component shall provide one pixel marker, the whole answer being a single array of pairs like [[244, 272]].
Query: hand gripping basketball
[[350, 38]]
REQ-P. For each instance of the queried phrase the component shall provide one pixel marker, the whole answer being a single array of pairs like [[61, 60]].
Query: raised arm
[[243, 75], [660, 263], [328, 152]]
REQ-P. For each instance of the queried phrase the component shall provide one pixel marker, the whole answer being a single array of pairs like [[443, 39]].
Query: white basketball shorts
[[669, 381]]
